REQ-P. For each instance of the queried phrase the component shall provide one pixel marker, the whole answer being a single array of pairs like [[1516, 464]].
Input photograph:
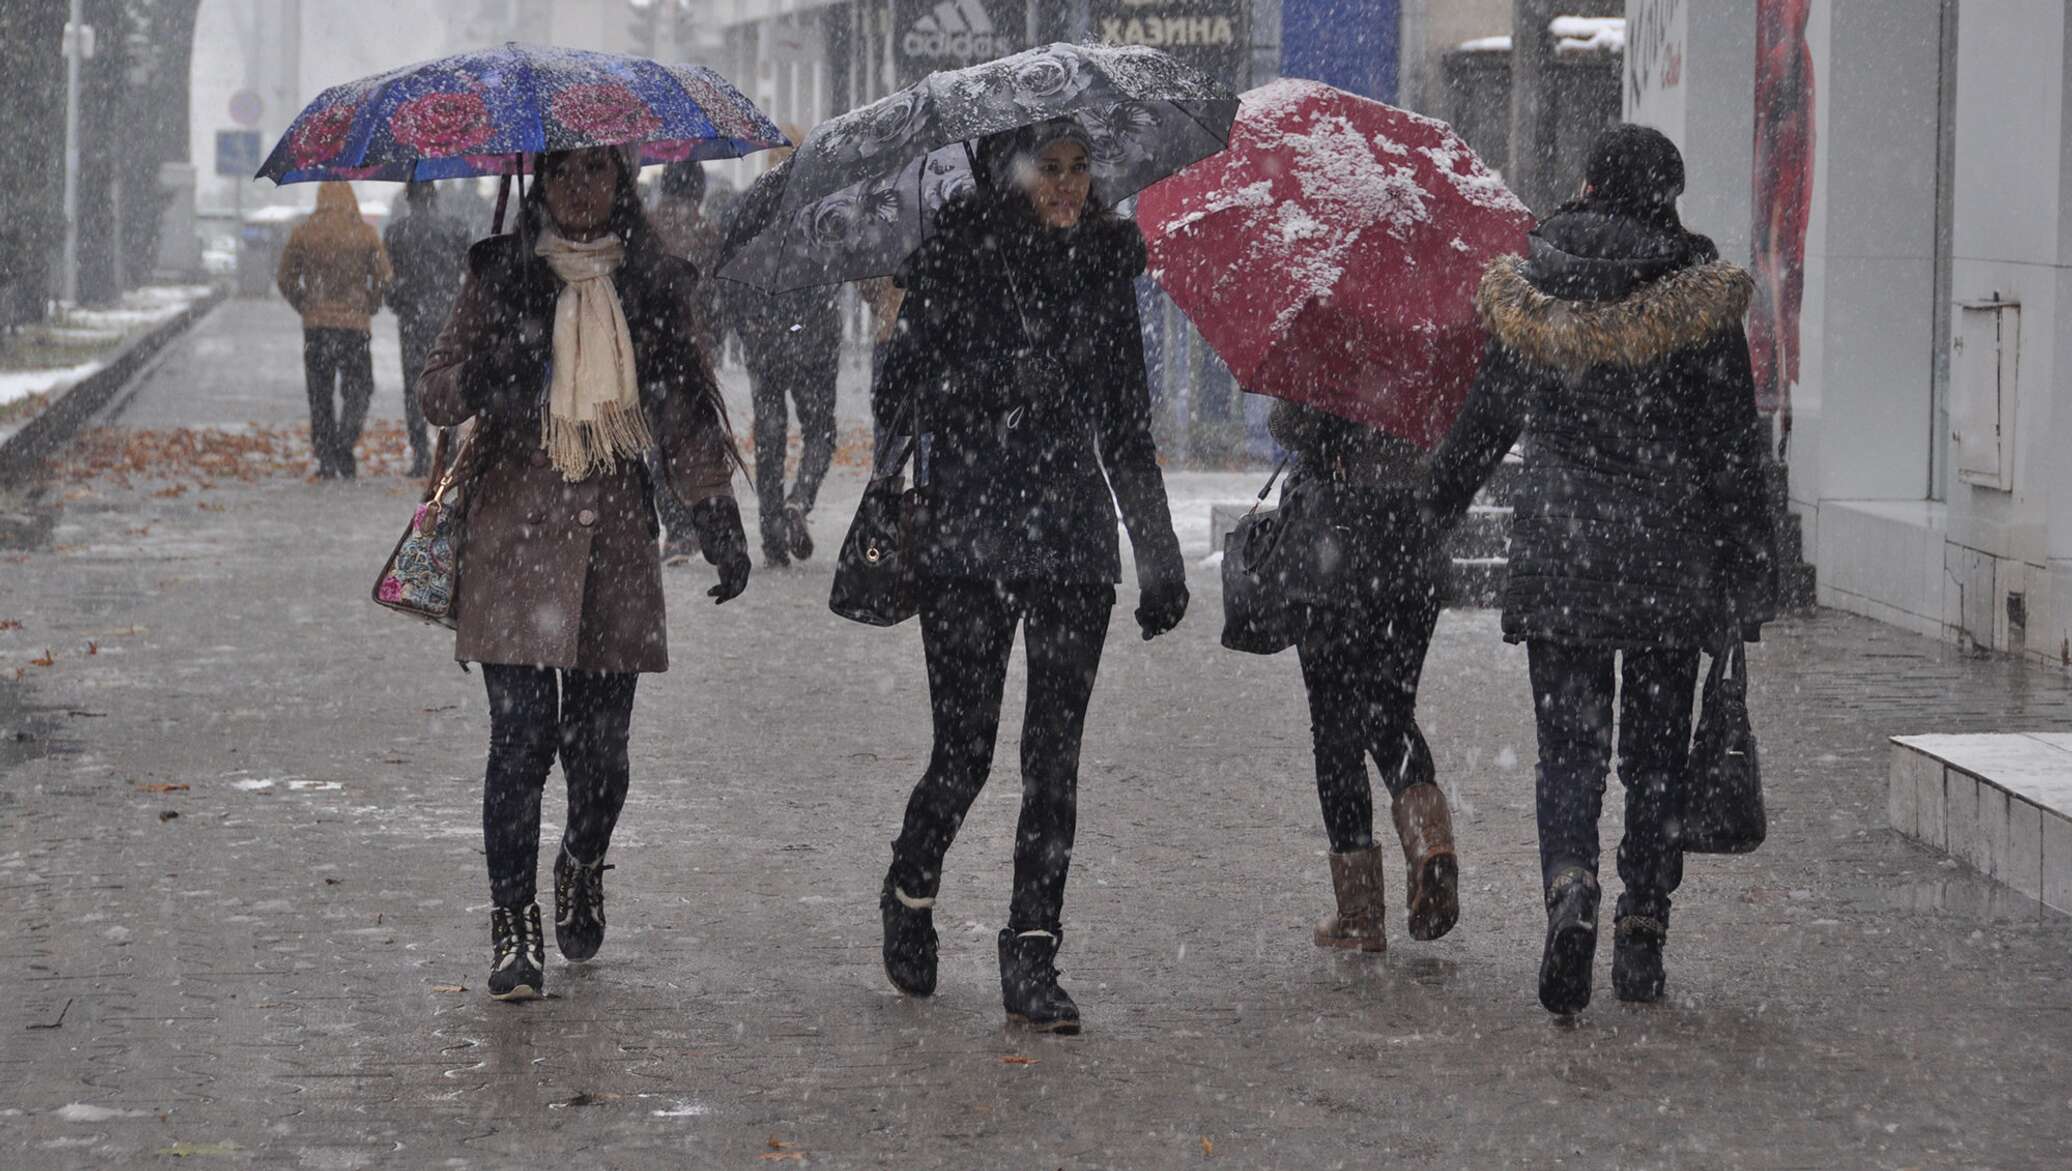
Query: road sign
[[246, 108], [237, 153]]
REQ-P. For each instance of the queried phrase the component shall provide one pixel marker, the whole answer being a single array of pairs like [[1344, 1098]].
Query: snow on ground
[[20, 384], [1193, 494]]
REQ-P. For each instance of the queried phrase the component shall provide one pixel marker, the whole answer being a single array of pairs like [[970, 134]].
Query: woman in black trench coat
[[1018, 345], [1641, 532]]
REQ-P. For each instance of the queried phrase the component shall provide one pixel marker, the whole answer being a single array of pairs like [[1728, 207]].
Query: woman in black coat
[[1641, 532], [1018, 346]]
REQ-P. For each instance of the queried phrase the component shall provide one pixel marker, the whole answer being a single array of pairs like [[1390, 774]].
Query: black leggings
[[1361, 665], [587, 724], [1572, 689], [967, 633]]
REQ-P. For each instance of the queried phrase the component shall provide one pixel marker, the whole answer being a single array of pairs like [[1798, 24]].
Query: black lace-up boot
[[909, 940], [578, 906], [518, 959], [1571, 942], [1029, 982], [1637, 975]]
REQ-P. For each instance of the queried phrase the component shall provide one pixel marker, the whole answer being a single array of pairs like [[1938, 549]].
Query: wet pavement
[[245, 923]]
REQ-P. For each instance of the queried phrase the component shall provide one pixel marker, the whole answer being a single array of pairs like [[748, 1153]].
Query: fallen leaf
[[92, 647], [449, 987], [165, 788], [10, 624], [1017, 1059], [1207, 1148], [168, 814], [46, 661], [333, 881]]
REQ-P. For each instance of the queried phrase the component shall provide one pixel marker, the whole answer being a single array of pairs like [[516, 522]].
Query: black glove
[[1751, 632], [718, 521], [1161, 598]]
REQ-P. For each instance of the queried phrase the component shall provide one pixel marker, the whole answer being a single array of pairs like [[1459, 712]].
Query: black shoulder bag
[[1723, 795], [874, 574], [1257, 618]]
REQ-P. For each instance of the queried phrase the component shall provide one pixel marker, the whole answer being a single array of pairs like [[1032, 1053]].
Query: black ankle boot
[[1571, 947], [1029, 982], [909, 940], [1637, 974], [518, 960], [578, 906]]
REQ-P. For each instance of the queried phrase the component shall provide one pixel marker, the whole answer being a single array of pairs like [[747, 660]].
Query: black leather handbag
[[1723, 795], [1258, 617], [874, 573]]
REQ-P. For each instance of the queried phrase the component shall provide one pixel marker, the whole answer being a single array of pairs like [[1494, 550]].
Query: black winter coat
[[1641, 517], [1368, 490], [429, 253], [1011, 461]]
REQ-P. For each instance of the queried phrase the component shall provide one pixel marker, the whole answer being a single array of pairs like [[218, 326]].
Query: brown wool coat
[[552, 573]]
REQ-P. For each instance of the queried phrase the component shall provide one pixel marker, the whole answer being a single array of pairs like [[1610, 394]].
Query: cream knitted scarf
[[593, 408]]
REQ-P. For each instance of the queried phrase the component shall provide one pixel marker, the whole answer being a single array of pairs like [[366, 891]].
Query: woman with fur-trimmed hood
[[1641, 532]]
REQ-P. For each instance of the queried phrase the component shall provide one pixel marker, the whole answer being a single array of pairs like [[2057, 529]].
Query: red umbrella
[[1331, 254]]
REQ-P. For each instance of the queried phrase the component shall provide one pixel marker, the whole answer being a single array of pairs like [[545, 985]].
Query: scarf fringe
[[580, 449]]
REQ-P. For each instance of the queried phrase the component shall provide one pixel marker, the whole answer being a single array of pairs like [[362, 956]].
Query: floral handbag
[[422, 575]]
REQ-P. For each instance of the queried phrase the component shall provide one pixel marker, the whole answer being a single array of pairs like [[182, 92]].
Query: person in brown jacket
[[571, 347], [333, 272]]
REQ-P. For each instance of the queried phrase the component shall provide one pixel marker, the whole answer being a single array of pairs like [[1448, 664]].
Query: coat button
[[539, 459], [586, 518]]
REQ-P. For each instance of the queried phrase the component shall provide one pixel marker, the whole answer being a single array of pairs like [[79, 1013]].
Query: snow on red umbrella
[[1330, 255]]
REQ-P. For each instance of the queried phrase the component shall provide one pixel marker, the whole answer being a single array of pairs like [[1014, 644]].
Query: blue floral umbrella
[[476, 113]]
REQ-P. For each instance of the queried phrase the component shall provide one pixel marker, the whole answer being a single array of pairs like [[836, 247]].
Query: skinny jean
[[967, 634], [1573, 699], [535, 715]]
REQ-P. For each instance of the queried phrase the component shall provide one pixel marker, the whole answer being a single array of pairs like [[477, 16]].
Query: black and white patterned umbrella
[[862, 191]]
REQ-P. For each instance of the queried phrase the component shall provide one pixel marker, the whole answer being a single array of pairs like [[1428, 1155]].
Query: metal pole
[[75, 34]]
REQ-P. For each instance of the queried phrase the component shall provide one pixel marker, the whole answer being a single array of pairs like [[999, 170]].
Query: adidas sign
[[960, 30]]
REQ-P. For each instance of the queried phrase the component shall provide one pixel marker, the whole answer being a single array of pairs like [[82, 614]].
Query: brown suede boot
[[1356, 877], [1426, 827]]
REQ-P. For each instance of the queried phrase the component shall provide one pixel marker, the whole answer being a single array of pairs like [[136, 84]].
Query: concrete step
[[1999, 803]]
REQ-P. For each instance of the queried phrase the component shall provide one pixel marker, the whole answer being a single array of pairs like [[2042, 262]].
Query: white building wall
[[1865, 438]]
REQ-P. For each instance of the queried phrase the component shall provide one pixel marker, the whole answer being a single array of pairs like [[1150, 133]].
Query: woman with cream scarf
[[572, 346]]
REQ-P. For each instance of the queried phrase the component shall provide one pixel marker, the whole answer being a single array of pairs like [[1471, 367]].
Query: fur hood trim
[[1678, 312]]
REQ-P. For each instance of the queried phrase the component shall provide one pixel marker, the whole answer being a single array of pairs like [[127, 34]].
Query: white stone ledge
[[2000, 803]]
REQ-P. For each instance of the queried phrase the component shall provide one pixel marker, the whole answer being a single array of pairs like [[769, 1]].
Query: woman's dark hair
[[994, 199], [1635, 171], [628, 219]]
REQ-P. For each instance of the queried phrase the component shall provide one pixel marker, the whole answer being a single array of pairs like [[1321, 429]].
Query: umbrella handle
[[1263, 492], [503, 197]]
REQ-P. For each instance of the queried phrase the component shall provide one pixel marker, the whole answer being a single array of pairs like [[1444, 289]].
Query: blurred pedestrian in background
[[334, 272], [429, 252]]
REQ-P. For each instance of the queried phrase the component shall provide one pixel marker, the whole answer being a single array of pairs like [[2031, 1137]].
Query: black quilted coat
[[1641, 518], [1015, 479]]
